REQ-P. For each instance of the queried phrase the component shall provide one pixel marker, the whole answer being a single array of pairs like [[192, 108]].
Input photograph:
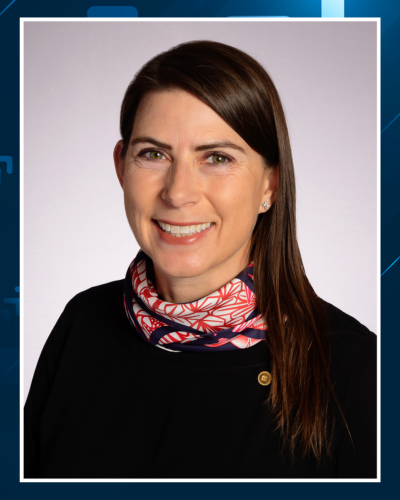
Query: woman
[[214, 357]]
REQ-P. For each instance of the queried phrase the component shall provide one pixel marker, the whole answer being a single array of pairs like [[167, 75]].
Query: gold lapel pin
[[264, 378]]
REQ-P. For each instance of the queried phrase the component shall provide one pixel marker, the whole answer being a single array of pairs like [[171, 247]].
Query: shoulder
[[345, 330], [353, 353], [93, 310], [98, 302], [340, 321], [87, 317], [98, 295], [354, 377]]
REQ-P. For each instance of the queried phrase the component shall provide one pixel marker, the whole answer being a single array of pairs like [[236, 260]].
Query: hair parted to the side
[[239, 90]]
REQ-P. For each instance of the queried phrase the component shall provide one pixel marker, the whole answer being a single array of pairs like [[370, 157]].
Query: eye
[[154, 155], [218, 159]]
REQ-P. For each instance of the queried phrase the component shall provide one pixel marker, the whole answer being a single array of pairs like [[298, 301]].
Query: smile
[[183, 231]]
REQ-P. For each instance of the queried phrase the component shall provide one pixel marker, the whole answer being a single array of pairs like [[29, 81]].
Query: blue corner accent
[[388, 125], [390, 266], [9, 5], [13, 301], [9, 163], [16, 289], [112, 11], [332, 8]]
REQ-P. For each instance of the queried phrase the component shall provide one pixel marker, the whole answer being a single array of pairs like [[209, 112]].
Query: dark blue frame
[[10, 13]]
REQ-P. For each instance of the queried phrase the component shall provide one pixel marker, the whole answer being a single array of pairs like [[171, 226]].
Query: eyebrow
[[151, 141], [219, 144], [202, 147]]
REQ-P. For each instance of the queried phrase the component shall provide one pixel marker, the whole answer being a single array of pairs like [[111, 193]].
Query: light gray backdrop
[[76, 233]]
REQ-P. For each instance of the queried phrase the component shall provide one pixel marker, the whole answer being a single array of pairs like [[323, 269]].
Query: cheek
[[237, 202], [137, 203], [140, 193]]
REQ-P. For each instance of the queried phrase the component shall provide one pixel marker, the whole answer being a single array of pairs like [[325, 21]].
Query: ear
[[119, 163], [271, 182]]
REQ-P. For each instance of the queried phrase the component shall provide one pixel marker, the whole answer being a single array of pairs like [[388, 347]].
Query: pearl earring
[[265, 205]]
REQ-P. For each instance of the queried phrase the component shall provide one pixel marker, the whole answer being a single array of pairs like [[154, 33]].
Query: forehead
[[178, 112]]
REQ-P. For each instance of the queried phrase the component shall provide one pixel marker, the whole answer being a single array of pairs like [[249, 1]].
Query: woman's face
[[188, 172]]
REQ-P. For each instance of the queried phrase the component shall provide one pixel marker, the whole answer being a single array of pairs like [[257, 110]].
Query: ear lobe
[[119, 163], [271, 188]]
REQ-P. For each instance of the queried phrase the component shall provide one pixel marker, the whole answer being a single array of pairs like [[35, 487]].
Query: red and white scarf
[[227, 319]]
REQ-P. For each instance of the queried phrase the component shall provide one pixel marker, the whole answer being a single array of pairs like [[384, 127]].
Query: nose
[[182, 185]]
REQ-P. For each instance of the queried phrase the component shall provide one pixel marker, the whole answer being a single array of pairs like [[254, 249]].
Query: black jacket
[[104, 404]]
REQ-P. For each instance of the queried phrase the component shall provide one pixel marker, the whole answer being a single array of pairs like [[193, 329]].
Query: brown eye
[[218, 159], [155, 155]]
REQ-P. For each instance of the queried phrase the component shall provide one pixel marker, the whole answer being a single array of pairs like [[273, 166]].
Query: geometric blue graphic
[[13, 301], [261, 16], [388, 125], [8, 160], [112, 11], [332, 8], [9, 5], [390, 266], [9, 359]]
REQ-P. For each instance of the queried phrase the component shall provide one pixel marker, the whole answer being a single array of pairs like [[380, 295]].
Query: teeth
[[183, 231]]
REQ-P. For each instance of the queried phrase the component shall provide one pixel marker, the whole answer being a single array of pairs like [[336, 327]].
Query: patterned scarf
[[224, 320]]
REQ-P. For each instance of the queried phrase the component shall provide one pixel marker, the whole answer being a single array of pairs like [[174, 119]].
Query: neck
[[181, 290]]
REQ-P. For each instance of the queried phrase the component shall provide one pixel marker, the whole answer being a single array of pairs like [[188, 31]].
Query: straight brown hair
[[239, 90]]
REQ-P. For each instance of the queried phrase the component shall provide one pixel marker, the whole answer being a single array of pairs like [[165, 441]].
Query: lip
[[171, 223], [187, 240]]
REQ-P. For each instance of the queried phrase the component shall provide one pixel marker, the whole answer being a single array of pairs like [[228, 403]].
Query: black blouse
[[104, 404]]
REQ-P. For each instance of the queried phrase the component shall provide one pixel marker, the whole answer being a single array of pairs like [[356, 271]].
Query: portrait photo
[[200, 250]]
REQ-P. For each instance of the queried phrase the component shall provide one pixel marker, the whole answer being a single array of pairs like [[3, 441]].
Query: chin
[[180, 266]]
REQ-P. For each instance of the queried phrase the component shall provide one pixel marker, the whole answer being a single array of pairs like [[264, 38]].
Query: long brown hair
[[238, 88]]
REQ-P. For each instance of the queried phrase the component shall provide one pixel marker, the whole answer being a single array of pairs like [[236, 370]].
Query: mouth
[[184, 230]]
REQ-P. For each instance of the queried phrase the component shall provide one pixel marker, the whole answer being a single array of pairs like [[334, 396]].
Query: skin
[[180, 183]]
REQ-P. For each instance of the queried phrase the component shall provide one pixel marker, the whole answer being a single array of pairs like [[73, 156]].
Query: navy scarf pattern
[[227, 319]]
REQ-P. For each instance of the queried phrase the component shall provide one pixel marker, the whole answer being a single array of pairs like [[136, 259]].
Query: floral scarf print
[[227, 319]]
